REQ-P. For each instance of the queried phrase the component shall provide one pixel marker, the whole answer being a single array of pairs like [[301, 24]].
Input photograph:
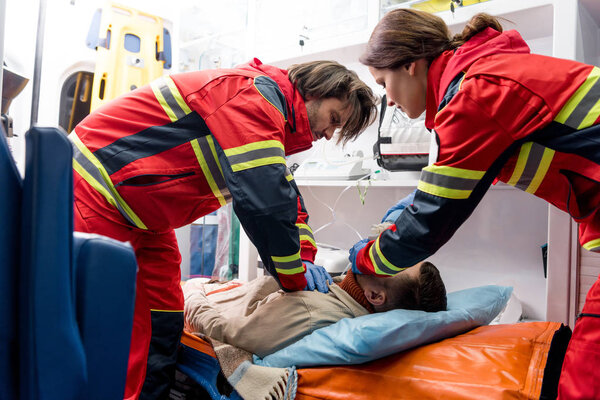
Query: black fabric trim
[[452, 90], [556, 356], [588, 315], [151, 141], [563, 138]]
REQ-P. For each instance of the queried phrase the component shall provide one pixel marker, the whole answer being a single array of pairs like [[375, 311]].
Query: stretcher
[[452, 354], [521, 361]]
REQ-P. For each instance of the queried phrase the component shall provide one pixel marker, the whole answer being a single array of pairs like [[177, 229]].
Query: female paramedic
[[163, 155], [498, 113]]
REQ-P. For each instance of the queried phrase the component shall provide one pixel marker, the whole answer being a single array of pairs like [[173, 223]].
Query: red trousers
[[580, 375], [158, 317]]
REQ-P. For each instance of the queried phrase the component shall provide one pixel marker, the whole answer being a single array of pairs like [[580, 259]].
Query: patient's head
[[419, 287]]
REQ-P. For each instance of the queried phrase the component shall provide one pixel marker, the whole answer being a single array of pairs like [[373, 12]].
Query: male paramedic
[[165, 154]]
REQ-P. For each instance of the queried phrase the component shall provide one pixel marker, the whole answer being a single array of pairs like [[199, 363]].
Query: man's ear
[[375, 296]]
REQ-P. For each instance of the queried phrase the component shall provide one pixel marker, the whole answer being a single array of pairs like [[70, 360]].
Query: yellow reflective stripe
[[265, 144], [175, 311], [541, 171], [592, 245], [375, 247], [443, 192], [162, 101], [283, 259], [213, 150], [455, 172], [94, 183], [288, 175], [304, 226], [88, 154], [574, 101], [258, 163], [209, 178], [290, 271], [308, 239], [520, 165], [177, 95]]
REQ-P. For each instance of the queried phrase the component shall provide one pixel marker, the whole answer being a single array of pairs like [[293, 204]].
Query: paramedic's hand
[[316, 276], [394, 212], [354, 251]]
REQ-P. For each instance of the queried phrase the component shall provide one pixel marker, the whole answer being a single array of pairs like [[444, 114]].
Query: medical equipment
[[348, 168], [333, 259]]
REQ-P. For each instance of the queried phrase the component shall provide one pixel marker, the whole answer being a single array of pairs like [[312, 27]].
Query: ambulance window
[[132, 43]]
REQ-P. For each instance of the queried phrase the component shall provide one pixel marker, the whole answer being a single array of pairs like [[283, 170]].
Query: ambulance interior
[[57, 57]]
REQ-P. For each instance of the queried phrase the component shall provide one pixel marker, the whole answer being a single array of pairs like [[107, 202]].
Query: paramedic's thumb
[[354, 252], [317, 277], [393, 213]]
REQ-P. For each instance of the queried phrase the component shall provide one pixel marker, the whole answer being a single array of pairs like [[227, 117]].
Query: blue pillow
[[367, 338]]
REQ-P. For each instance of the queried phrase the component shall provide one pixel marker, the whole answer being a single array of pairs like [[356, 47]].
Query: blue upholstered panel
[[106, 271], [10, 222], [51, 352]]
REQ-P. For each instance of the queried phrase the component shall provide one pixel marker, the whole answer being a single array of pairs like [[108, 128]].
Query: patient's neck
[[351, 286]]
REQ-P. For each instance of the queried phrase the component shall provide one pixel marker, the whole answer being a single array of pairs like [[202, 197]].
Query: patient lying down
[[260, 318]]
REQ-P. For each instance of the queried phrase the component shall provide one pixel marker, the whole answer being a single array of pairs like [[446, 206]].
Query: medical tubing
[[332, 209]]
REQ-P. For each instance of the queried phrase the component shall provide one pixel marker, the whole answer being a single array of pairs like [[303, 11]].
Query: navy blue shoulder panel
[[151, 141], [452, 90], [269, 89], [584, 142]]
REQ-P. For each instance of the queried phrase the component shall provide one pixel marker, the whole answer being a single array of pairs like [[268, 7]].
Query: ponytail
[[476, 24]]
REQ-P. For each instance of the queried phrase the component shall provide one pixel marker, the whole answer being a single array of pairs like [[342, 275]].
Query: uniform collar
[[298, 136]]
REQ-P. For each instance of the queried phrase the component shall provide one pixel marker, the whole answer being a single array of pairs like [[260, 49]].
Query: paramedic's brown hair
[[426, 293], [327, 79], [403, 36]]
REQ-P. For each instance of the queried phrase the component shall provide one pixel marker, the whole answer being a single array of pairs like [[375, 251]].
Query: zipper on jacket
[[147, 180]]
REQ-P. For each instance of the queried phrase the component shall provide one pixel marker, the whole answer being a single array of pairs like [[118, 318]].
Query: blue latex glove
[[354, 251], [316, 277], [394, 212]]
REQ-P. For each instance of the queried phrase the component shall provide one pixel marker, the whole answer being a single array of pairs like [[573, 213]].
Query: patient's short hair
[[426, 293]]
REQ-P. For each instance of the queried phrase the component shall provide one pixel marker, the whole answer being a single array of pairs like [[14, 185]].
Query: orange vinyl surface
[[490, 362], [197, 343]]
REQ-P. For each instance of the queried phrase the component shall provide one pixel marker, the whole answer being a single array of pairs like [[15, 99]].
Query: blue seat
[[10, 240], [76, 295]]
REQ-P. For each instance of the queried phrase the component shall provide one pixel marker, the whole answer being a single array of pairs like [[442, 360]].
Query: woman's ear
[[411, 68], [375, 296]]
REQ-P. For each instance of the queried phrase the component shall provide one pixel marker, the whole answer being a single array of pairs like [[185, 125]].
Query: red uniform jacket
[[168, 153], [499, 112]]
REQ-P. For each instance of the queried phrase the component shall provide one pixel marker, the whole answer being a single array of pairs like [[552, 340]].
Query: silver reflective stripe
[[449, 182], [584, 107], [534, 159], [287, 265], [379, 262], [303, 231], [168, 96], [91, 169], [256, 154], [214, 167]]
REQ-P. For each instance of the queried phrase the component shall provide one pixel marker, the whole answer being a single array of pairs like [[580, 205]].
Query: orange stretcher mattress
[[489, 362]]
